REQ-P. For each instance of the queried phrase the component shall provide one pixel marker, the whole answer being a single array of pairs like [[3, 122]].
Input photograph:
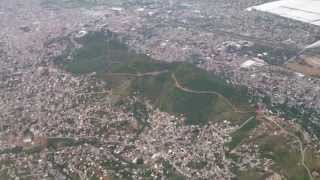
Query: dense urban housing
[[159, 89]]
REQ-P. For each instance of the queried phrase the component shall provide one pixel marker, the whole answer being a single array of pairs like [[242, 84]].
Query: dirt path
[[179, 86], [244, 123], [153, 73], [302, 150], [185, 89]]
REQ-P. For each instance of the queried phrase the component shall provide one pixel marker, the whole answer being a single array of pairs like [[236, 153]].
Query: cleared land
[[309, 65]]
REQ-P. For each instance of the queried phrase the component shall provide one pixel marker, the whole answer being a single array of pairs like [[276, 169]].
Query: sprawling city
[[159, 89]]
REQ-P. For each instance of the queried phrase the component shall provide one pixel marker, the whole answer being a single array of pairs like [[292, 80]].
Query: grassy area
[[4, 172], [170, 173], [250, 174], [55, 142], [104, 54], [125, 170], [197, 164], [287, 160], [282, 149], [242, 133], [312, 160]]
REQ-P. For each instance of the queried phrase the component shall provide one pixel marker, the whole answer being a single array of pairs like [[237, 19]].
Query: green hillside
[[129, 73]]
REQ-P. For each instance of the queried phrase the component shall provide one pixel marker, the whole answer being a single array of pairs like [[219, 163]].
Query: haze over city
[[159, 89]]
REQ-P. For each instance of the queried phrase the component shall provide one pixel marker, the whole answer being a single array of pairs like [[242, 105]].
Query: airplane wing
[[302, 10]]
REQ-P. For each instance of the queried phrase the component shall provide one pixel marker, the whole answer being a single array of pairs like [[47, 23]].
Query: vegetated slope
[[182, 88], [208, 97]]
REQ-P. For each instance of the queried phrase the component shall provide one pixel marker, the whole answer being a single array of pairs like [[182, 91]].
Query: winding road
[[301, 149], [185, 89], [153, 73], [179, 86]]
